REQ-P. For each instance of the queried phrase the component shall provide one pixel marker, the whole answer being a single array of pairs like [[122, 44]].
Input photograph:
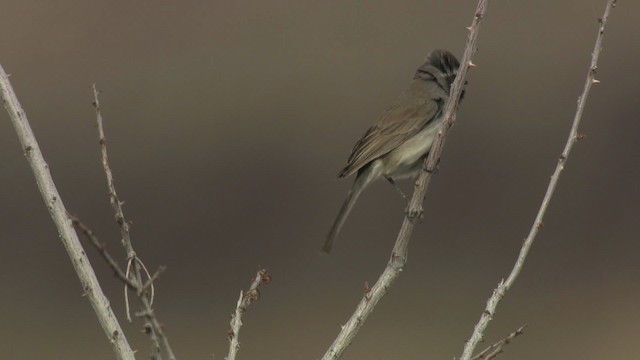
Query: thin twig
[[399, 254], [244, 301], [113, 195], [495, 349], [58, 213], [504, 286], [152, 279], [102, 250], [153, 326]]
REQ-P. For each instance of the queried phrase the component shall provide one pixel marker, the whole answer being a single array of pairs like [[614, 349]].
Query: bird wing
[[399, 122]]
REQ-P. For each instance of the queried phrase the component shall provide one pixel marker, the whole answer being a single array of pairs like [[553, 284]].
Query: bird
[[396, 145]]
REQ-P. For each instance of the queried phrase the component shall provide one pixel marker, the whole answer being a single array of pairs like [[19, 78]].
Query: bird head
[[440, 66]]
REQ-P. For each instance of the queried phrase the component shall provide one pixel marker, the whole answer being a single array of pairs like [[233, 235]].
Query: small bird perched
[[396, 146]]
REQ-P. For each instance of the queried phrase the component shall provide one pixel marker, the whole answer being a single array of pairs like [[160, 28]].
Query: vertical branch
[[113, 195], [400, 250], [152, 326], [58, 213], [243, 303], [504, 286]]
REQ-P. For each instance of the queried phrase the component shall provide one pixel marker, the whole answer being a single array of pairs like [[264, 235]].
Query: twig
[[126, 295], [102, 250], [152, 279], [495, 349], [244, 301], [503, 286], [399, 254], [153, 326], [113, 195], [58, 213]]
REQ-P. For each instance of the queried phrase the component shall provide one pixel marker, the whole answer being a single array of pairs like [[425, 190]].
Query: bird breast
[[405, 160]]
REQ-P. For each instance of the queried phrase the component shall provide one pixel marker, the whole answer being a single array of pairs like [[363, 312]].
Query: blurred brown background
[[227, 123]]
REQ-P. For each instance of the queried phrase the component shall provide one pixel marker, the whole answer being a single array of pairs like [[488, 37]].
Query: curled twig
[[140, 288]]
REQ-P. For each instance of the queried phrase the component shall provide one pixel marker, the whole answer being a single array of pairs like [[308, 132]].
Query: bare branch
[[102, 250], [504, 286], [243, 303], [399, 254], [152, 326], [495, 349], [113, 195], [58, 213]]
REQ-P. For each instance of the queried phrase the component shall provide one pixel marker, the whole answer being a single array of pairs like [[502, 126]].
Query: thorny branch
[[504, 286], [60, 217]]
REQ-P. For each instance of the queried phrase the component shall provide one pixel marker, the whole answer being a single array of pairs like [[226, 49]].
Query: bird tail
[[358, 185]]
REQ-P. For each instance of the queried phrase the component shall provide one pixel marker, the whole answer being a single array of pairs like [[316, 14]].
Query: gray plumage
[[395, 147]]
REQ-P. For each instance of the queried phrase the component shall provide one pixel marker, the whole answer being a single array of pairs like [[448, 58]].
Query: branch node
[[114, 336], [413, 214]]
